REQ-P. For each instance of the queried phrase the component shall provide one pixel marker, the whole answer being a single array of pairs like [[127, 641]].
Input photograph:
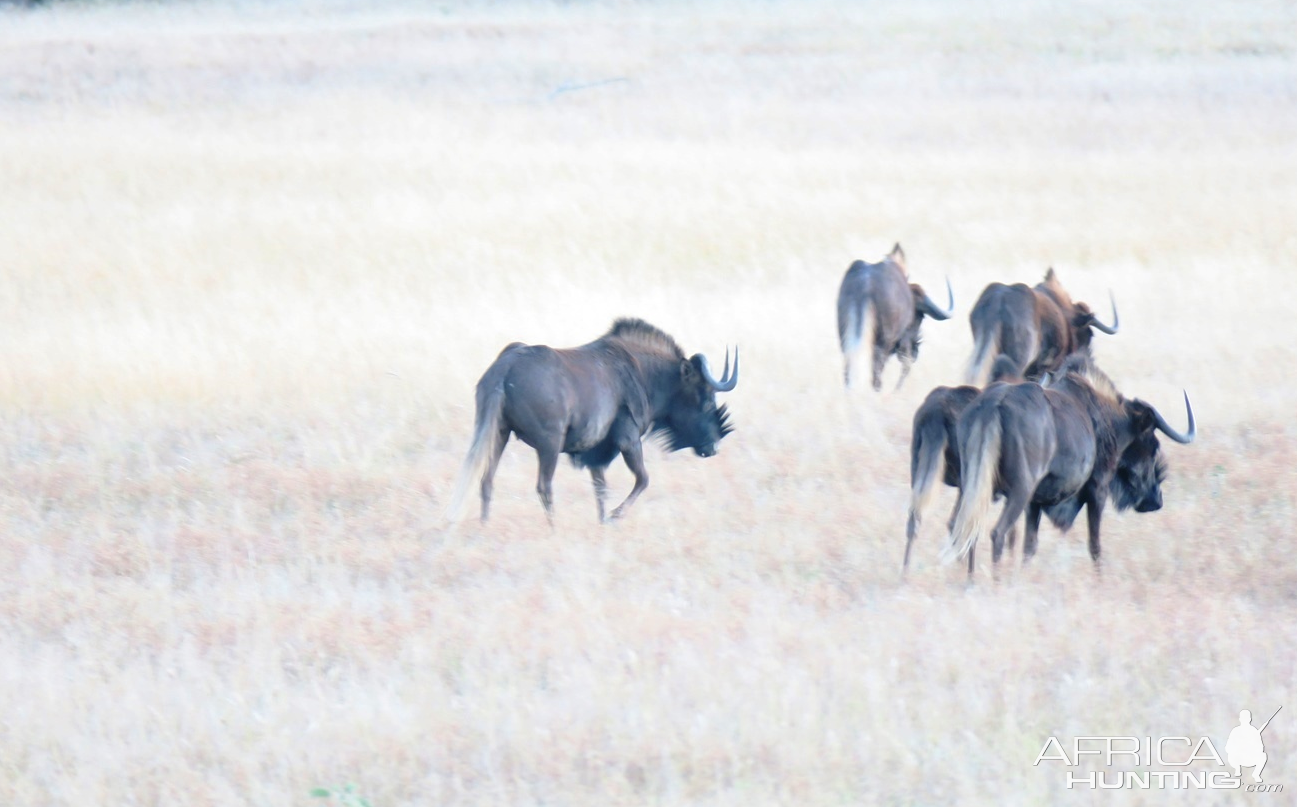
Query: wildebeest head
[[1142, 469], [923, 307], [1081, 318], [692, 419]]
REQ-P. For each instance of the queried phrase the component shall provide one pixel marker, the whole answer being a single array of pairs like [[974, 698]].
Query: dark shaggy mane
[[1125, 498], [667, 437], [1081, 366], [640, 333], [1103, 400]]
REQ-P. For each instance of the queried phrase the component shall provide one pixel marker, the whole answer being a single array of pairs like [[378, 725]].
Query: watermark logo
[[1245, 747], [1147, 762]]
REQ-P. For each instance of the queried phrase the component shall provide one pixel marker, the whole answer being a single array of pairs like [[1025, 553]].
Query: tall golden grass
[[255, 257]]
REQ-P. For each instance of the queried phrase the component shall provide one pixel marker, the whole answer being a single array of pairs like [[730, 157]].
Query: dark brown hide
[[933, 445], [1036, 327], [593, 403], [1055, 450], [879, 308]]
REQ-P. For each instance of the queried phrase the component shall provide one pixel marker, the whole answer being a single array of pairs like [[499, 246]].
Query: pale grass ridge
[[257, 256]]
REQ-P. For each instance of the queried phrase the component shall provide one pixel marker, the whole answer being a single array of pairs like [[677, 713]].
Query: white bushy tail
[[979, 461], [486, 431], [985, 345], [859, 329], [930, 465]]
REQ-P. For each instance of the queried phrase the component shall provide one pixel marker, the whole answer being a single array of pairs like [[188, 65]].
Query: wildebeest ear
[[897, 255], [687, 371], [1141, 416], [1083, 316], [1050, 277], [917, 291]]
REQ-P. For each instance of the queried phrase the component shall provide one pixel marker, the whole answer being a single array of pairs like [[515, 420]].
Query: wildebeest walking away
[[878, 305], [1055, 450], [594, 402], [934, 449], [1038, 328]]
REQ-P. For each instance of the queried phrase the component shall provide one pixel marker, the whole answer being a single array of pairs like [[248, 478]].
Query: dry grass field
[[255, 257]]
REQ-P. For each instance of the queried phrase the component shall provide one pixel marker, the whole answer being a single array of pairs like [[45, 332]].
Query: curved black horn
[[727, 382], [1166, 429], [930, 308], [1116, 323]]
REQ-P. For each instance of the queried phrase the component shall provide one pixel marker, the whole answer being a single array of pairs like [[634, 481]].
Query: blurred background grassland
[[256, 256]]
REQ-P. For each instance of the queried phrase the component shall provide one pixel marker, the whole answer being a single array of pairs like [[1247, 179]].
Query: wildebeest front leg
[[911, 529], [1093, 514], [600, 489], [1029, 534], [633, 453], [907, 362]]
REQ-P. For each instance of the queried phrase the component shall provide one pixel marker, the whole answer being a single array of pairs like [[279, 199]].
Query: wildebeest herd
[[1049, 433]]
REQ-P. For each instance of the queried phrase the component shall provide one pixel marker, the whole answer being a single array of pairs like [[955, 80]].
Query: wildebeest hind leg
[[911, 529], [545, 479], [488, 476], [633, 453], [600, 489], [1013, 507], [879, 359]]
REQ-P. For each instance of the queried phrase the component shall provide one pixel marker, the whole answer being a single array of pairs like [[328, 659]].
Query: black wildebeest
[[878, 303], [934, 450], [1038, 328], [594, 402], [1054, 450]]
